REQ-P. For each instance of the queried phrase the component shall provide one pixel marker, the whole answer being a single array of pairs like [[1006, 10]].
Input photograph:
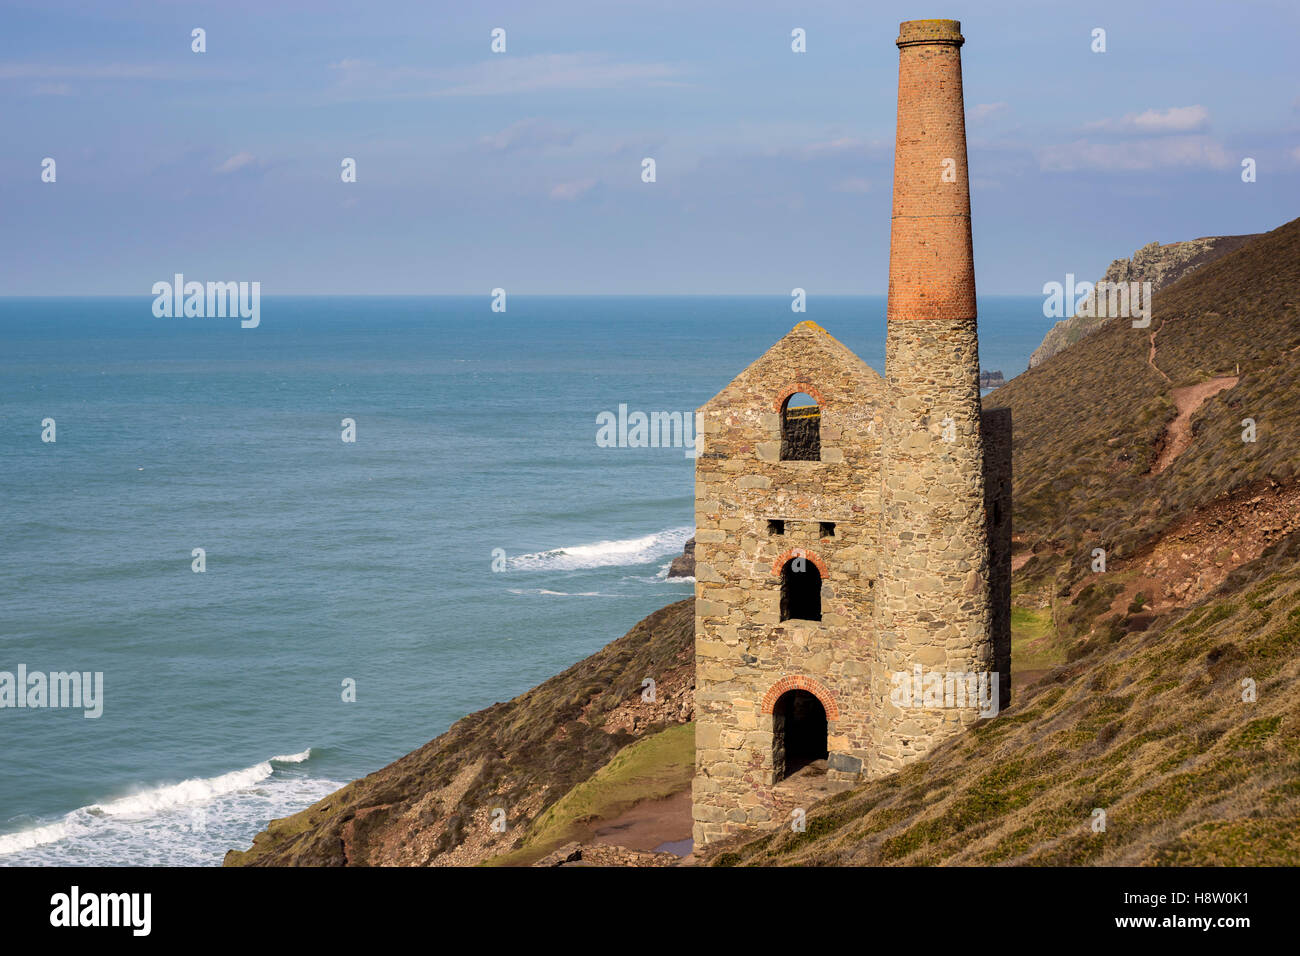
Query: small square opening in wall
[[828, 529], [775, 526]]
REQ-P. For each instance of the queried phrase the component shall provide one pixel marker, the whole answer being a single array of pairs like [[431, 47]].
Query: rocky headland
[[1161, 265]]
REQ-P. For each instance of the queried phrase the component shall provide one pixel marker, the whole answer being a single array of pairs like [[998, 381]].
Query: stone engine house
[[852, 528]]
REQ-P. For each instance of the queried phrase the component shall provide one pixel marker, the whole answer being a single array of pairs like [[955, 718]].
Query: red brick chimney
[[933, 606], [931, 272]]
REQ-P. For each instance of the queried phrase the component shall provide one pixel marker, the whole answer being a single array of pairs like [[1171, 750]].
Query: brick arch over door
[[785, 556], [800, 682], [795, 389]]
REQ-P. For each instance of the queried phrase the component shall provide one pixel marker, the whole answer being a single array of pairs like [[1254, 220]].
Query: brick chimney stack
[[932, 602]]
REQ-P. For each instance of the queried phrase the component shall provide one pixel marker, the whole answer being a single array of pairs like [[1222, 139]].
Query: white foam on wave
[[293, 758], [188, 823], [36, 836], [549, 593], [196, 790], [605, 554], [662, 575]]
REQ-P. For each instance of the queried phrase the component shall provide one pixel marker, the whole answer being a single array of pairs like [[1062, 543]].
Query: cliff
[[1161, 265]]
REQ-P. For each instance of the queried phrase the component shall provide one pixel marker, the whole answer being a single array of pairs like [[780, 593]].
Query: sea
[[355, 598]]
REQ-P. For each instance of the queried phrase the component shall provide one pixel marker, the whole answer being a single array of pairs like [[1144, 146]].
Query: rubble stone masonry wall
[[743, 650]]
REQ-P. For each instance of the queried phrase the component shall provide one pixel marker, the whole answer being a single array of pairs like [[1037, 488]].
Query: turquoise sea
[[328, 561]]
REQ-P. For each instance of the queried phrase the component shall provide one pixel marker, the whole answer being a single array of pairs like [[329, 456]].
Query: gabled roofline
[[831, 343]]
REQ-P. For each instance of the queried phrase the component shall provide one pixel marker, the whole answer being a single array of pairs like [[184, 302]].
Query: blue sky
[[522, 170]]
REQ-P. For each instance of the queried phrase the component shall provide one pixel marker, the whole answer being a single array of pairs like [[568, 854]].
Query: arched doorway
[[798, 733]]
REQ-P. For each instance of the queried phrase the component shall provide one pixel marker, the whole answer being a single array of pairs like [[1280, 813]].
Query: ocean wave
[[293, 758], [197, 790], [662, 575], [170, 807], [549, 593], [36, 836], [605, 554]]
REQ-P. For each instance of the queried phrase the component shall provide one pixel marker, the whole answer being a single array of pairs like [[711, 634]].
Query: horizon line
[[468, 295]]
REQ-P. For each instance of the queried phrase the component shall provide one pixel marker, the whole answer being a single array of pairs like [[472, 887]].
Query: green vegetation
[[1186, 771], [1032, 644], [650, 769]]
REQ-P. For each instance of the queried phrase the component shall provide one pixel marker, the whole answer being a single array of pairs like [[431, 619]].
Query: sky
[[522, 169]]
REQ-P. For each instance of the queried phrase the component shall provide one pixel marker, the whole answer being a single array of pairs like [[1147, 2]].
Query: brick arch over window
[[800, 682], [794, 389], [785, 556]]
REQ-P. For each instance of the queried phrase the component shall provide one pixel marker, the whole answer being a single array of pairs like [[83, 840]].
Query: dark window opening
[[798, 733], [801, 429], [775, 526], [801, 591], [828, 529], [997, 512]]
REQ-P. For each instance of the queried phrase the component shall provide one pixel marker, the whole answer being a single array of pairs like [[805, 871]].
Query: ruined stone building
[[850, 528]]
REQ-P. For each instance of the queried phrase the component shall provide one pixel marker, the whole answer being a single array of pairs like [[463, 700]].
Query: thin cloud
[[530, 134], [983, 111], [853, 184], [236, 162], [107, 71], [555, 71], [1190, 152], [1176, 119], [838, 145], [505, 75], [567, 192], [835, 148]]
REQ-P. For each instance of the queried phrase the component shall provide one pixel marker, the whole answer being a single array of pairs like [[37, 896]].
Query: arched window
[[801, 428], [801, 590], [798, 733]]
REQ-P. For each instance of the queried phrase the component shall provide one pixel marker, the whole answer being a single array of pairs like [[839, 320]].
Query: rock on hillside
[[433, 806], [683, 565], [1154, 263]]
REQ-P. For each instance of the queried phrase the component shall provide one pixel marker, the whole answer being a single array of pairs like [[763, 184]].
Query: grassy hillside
[[1145, 720], [1150, 729], [1090, 421], [434, 805]]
